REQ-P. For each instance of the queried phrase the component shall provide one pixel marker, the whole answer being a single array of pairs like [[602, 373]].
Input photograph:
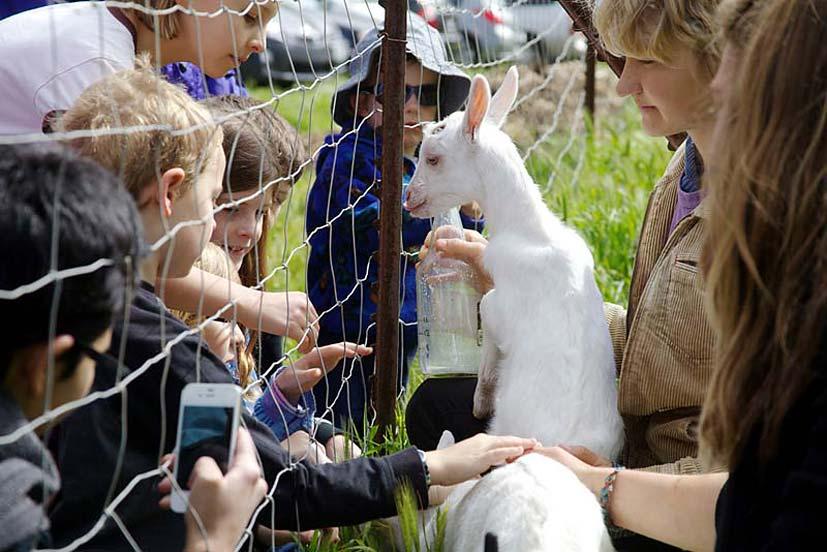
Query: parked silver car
[[353, 18], [548, 22], [482, 29], [301, 45]]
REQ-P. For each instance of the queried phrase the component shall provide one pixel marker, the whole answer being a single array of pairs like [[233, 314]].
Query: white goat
[[532, 505], [547, 367]]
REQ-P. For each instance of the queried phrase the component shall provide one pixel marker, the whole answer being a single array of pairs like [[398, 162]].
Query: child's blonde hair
[[143, 127], [643, 29], [214, 260]]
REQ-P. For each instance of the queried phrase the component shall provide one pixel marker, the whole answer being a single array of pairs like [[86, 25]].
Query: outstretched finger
[[504, 455], [511, 441], [330, 355]]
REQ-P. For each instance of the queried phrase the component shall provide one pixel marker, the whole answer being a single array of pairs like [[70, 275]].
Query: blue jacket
[[343, 251]]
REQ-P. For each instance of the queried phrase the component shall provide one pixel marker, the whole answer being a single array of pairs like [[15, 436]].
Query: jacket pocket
[[687, 323]]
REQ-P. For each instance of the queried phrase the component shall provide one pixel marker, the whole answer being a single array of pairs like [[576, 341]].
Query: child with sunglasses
[[343, 211]]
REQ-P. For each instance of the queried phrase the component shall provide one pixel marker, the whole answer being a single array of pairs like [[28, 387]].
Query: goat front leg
[[487, 377]]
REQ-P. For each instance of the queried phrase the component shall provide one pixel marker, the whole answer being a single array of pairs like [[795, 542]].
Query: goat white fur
[[532, 505], [547, 358]]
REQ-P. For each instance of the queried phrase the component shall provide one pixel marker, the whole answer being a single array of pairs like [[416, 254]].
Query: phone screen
[[205, 431]]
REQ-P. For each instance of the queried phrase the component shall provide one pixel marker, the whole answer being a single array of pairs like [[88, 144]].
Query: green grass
[[599, 184]]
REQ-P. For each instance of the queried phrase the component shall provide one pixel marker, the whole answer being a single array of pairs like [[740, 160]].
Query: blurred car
[[353, 18], [484, 28], [548, 22], [301, 45]]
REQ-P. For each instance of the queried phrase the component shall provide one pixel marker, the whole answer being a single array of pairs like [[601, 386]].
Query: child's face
[[223, 42], [239, 228], [671, 99], [415, 112], [196, 205], [31, 379], [223, 339]]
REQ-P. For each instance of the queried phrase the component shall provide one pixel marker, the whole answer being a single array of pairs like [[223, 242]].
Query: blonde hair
[[214, 260], [644, 29], [166, 25], [766, 246], [180, 132]]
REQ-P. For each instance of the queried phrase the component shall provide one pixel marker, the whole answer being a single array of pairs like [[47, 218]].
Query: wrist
[[425, 468], [605, 495], [594, 479], [431, 463], [247, 300], [283, 393]]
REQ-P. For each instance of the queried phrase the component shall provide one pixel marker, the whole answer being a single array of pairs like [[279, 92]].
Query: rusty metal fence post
[[591, 68], [390, 215]]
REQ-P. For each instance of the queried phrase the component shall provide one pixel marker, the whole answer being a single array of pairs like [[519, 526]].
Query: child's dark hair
[[59, 211], [260, 146]]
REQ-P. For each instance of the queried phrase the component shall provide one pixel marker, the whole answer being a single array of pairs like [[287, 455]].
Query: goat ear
[[504, 98], [478, 99], [446, 440]]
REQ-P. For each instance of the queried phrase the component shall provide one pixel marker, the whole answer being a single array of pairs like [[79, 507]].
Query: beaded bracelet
[[606, 493]]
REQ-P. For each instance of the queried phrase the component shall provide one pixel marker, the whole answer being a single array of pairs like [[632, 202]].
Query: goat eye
[[432, 160]]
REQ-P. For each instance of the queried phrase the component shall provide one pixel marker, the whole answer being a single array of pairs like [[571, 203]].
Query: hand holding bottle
[[470, 249]]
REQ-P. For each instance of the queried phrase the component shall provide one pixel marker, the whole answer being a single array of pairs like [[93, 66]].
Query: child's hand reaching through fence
[[282, 313], [473, 456], [470, 250], [307, 371]]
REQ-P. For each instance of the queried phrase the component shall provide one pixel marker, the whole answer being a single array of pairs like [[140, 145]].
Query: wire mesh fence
[[301, 239]]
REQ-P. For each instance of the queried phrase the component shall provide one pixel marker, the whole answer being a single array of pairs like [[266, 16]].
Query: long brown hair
[[262, 150], [767, 236]]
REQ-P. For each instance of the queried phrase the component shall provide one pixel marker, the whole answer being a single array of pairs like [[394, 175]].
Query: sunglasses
[[101, 359], [428, 94]]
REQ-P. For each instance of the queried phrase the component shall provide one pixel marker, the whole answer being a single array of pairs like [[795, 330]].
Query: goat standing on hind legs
[[547, 367]]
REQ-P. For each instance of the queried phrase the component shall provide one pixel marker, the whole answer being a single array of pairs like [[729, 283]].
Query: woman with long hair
[[765, 416]]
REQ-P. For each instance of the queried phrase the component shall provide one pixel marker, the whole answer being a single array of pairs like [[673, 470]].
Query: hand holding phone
[[224, 502], [207, 425]]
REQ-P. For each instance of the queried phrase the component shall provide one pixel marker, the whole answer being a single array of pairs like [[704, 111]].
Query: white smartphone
[[207, 426]]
